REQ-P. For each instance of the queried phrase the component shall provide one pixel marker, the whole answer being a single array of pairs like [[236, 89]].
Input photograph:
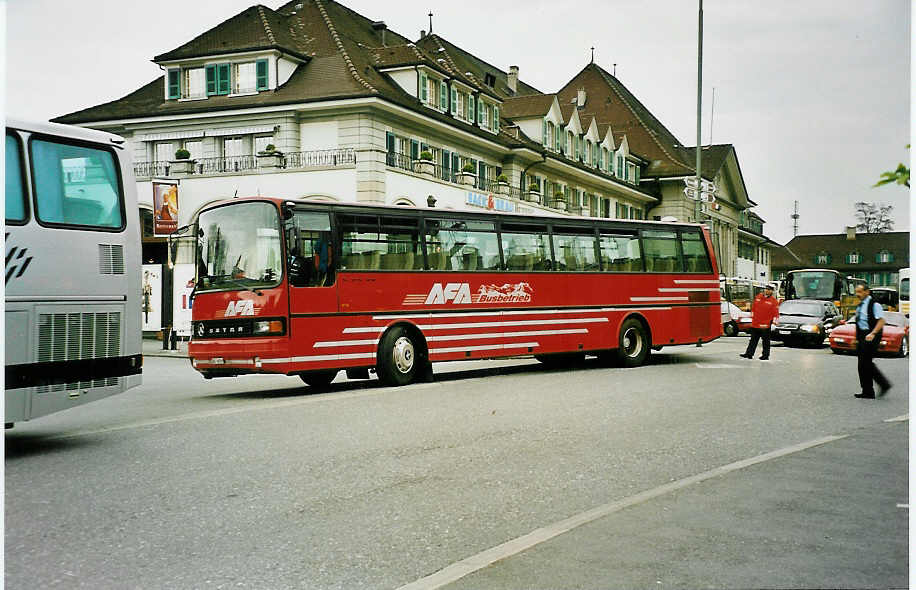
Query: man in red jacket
[[764, 311]]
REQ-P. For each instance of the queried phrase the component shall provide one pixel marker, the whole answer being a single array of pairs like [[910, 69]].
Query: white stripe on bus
[[658, 299], [370, 329], [697, 282], [321, 357], [487, 347], [681, 289], [482, 336]]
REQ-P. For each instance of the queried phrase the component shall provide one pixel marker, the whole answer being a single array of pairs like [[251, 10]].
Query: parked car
[[895, 338], [731, 314], [805, 321]]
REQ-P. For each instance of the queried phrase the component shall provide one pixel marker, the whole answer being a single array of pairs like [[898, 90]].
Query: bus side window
[[526, 248], [662, 251], [15, 191], [696, 259], [312, 259]]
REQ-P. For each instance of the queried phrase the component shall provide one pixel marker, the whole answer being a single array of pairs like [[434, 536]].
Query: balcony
[[333, 158]]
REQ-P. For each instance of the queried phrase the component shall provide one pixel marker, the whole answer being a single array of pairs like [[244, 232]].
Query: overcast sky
[[814, 94]]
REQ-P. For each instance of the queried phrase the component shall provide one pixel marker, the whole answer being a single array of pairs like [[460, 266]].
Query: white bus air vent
[[78, 336], [111, 259]]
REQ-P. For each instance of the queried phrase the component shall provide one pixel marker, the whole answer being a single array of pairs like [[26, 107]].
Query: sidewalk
[[831, 516], [153, 347]]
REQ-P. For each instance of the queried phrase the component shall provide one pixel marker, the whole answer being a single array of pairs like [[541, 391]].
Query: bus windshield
[[905, 289], [239, 247], [813, 285]]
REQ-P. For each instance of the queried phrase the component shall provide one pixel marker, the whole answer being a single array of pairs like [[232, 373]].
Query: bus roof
[[447, 212], [66, 131]]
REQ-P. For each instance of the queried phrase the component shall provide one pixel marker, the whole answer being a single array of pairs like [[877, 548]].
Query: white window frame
[[159, 147], [260, 139], [236, 88], [186, 83]]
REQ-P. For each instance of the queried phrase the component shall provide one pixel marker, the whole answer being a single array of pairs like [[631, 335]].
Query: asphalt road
[[256, 482]]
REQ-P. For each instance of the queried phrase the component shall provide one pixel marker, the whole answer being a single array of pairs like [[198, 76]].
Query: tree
[[900, 176], [872, 218]]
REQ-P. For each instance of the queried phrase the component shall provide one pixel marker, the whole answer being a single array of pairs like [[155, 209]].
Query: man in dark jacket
[[869, 320]]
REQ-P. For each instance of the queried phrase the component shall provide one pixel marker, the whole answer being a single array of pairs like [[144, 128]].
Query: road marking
[[469, 565], [902, 418], [716, 366]]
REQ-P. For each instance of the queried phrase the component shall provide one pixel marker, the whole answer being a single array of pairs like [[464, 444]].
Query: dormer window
[[884, 257], [489, 80], [194, 83], [822, 257], [245, 79], [853, 258], [217, 79]]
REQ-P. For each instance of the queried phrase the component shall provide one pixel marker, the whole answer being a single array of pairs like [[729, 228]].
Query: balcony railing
[[320, 158], [229, 164]]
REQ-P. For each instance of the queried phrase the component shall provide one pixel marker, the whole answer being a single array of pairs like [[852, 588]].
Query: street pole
[[699, 111]]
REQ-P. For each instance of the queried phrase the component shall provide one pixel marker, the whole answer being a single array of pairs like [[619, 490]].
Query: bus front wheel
[[399, 357], [633, 346]]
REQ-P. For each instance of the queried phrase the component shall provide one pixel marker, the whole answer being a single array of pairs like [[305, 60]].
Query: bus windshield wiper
[[236, 282]]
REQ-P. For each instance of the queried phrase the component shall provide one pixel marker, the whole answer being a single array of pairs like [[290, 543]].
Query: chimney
[[850, 232], [380, 25], [580, 97], [512, 78], [422, 33]]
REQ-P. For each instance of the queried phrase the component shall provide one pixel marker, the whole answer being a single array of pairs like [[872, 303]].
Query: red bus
[[309, 289]]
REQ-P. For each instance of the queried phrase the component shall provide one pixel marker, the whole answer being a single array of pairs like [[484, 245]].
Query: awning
[[170, 135], [240, 131]]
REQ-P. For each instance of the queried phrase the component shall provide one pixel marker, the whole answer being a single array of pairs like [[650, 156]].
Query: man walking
[[869, 324], [764, 311]]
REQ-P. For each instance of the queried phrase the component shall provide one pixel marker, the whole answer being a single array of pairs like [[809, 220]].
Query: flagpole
[[699, 144]]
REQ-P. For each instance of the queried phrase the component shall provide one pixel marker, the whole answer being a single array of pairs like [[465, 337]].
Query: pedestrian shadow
[[21, 445]]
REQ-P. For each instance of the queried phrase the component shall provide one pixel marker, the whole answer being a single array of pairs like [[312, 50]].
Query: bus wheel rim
[[403, 354], [904, 347], [632, 342]]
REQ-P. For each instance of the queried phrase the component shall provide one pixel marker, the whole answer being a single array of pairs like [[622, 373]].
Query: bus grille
[[78, 336], [111, 259]]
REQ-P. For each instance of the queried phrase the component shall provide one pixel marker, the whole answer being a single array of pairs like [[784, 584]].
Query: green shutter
[[443, 96], [389, 141], [637, 175], [211, 79], [495, 118], [480, 107], [578, 146], [454, 100], [472, 108], [423, 88], [414, 149], [261, 71], [174, 81], [544, 132], [222, 79]]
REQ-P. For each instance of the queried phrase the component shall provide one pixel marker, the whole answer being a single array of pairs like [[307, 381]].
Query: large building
[[877, 258], [354, 111]]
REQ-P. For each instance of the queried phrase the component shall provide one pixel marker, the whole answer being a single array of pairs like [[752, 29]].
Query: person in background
[[764, 311], [869, 325]]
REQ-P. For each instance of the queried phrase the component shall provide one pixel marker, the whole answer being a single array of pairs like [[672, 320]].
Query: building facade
[[314, 101], [877, 258]]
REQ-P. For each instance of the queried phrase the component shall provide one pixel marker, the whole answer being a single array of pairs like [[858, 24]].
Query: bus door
[[311, 265]]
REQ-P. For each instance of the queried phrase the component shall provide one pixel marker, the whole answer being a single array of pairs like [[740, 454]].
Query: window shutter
[[544, 132], [423, 88], [454, 100], [222, 79], [480, 107], [389, 141], [636, 179], [414, 149], [174, 79], [443, 96], [446, 160], [211, 79], [261, 71], [578, 146], [456, 162], [495, 124], [472, 108], [482, 174]]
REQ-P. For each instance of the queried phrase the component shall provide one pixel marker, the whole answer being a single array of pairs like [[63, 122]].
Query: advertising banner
[[182, 285], [165, 207], [152, 297]]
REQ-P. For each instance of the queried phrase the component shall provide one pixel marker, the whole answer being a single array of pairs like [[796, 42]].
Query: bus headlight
[[265, 327], [811, 328]]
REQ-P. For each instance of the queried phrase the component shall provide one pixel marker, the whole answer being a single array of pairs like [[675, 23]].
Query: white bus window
[[15, 193], [76, 185]]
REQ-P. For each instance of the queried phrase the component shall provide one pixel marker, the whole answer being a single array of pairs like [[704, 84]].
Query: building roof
[[802, 251], [476, 68], [714, 157], [522, 107], [609, 101]]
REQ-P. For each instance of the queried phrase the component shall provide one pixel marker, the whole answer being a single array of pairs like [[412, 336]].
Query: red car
[[895, 340]]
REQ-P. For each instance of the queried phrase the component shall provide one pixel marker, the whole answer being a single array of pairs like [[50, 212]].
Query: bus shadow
[[301, 390], [20, 445]]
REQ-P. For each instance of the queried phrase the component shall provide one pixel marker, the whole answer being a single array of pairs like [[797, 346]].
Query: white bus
[[72, 242]]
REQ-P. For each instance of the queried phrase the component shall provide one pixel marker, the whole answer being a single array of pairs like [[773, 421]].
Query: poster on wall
[[165, 207], [152, 297], [182, 285]]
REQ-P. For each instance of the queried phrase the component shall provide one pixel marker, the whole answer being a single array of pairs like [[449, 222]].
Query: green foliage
[[899, 176], [468, 168], [182, 154], [427, 156], [502, 178], [270, 148], [533, 187]]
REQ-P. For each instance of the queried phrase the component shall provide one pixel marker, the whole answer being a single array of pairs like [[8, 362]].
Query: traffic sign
[[707, 185], [695, 195]]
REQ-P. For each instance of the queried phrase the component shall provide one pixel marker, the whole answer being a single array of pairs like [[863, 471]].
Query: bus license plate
[[785, 331]]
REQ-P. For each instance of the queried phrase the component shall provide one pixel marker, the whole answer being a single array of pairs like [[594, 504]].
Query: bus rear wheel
[[399, 357], [633, 345], [318, 378]]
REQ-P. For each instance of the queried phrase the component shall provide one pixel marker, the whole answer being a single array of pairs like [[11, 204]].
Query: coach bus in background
[[888, 297], [72, 269], [741, 292], [825, 285], [903, 288], [310, 289]]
